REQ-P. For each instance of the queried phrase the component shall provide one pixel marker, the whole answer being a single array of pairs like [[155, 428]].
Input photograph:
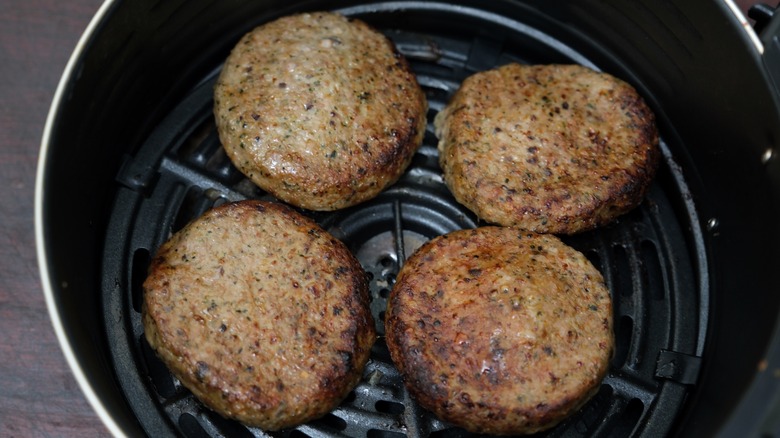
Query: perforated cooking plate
[[650, 257]]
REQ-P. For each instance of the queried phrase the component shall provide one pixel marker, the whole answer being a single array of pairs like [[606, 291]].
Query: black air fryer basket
[[131, 154]]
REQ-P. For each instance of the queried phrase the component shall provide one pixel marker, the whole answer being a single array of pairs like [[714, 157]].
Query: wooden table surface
[[38, 395]]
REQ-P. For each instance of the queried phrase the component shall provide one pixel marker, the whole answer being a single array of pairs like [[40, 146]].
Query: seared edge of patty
[[262, 314], [548, 148], [320, 110], [500, 331]]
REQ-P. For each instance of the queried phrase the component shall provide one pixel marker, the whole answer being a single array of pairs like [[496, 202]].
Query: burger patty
[[262, 314], [499, 330], [547, 148], [319, 110]]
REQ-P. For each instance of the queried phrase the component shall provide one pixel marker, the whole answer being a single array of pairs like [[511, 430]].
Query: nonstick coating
[[133, 155]]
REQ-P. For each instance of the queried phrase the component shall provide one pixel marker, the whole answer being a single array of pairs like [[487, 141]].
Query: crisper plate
[[646, 256]]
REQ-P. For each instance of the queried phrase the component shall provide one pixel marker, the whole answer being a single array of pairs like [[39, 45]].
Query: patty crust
[[547, 148], [261, 313], [499, 330], [319, 110]]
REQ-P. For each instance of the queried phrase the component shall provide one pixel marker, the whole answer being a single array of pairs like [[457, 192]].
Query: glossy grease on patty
[[499, 330], [259, 312]]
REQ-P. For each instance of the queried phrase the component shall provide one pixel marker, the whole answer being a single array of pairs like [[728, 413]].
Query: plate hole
[[623, 334], [193, 205], [594, 411], [158, 373], [627, 421], [375, 433], [350, 398], [389, 407], [594, 258], [451, 433], [386, 261], [226, 427], [139, 271], [653, 278], [190, 427], [331, 421], [623, 284]]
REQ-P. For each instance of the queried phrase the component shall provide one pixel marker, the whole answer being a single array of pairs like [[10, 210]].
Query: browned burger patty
[[500, 331], [259, 312], [319, 110], [547, 148]]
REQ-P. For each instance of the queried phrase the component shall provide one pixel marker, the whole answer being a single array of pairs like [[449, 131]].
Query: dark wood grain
[[38, 394]]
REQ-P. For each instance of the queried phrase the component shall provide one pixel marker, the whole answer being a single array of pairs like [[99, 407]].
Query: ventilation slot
[[624, 333], [191, 428], [653, 279], [139, 271]]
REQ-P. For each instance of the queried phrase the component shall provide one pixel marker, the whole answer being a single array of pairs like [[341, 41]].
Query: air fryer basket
[[131, 155]]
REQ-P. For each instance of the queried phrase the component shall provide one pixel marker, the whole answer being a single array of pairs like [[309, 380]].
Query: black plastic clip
[[679, 367], [762, 14], [138, 177]]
